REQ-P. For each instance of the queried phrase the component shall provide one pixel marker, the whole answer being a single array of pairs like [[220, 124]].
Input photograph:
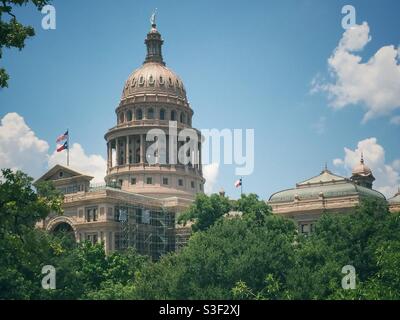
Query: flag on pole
[[63, 147], [62, 137], [238, 183]]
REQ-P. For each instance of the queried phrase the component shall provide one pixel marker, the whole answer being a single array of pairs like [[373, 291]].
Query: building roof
[[50, 173], [326, 185], [153, 77], [324, 177], [395, 199]]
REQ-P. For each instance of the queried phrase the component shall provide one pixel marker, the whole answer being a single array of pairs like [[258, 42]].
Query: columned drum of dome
[[153, 97]]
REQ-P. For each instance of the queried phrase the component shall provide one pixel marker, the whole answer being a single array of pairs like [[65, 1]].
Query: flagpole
[[68, 148], [241, 186]]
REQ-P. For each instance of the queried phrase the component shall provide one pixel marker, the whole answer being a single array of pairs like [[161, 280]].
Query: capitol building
[[140, 201]]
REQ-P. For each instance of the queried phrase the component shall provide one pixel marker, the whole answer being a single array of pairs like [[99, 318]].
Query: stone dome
[[154, 78]]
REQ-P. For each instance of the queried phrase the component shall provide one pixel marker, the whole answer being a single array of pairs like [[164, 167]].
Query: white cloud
[[20, 148], [387, 175], [94, 165], [210, 173], [374, 84]]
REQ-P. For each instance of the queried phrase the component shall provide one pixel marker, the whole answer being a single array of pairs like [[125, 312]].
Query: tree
[[13, 33], [23, 249], [206, 210], [215, 260]]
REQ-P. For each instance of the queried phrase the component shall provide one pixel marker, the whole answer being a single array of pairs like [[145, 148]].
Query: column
[[142, 152], [199, 160], [127, 150], [117, 151], [109, 155]]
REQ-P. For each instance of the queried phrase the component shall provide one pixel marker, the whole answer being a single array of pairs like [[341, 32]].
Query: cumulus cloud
[[374, 84], [387, 174], [20, 148], [210, 173], [94, 165]]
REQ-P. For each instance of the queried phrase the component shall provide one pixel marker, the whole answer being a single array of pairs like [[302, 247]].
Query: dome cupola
[[362, 174]]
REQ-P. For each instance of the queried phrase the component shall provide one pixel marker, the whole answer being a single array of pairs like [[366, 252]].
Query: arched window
[[162, 114], [173, 115], [139, 114], [129, 115], [150, 113], [121, 117]]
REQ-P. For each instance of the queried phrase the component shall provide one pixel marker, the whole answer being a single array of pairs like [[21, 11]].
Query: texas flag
[[238, 183], [62, 137], [62, 147]]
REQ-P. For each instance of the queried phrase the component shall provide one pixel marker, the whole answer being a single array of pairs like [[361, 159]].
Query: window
[[120, 181], [121, 117], [92, 238], [133, 180], [305, 228], [161, 80], [91, 214], [139, 114], [150, 113], [165, 180], [151, 80], [60, 174], [129, 115], [162, 114], [183, 118], [200, 186], [180, 182], [192, 184], [149, 180], [173, 115]]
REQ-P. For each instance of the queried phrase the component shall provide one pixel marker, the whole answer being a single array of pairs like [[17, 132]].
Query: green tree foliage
[[230, 251], [255, 255], [206, 210], [23, 248], [12, 33]]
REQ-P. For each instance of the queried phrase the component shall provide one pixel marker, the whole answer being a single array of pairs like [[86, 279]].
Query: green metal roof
[[330, 185], [324, 177]]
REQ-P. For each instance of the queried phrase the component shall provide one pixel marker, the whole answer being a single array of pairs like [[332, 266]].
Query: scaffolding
[[150, 231]]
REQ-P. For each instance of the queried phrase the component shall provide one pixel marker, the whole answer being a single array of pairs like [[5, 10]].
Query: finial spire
[[362, 157], [326, 166], [154, 42]]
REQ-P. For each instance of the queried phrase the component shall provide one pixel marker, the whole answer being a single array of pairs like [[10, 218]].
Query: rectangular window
[[180, 182], [149, 180], [165, 180], [192, 184], [88, 216], [133, 180], [91, 214]]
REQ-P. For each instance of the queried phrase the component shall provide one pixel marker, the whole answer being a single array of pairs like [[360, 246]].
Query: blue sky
[[245, 64]]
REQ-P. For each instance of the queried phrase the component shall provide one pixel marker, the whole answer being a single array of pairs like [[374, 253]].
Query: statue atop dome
[[153, 18]]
